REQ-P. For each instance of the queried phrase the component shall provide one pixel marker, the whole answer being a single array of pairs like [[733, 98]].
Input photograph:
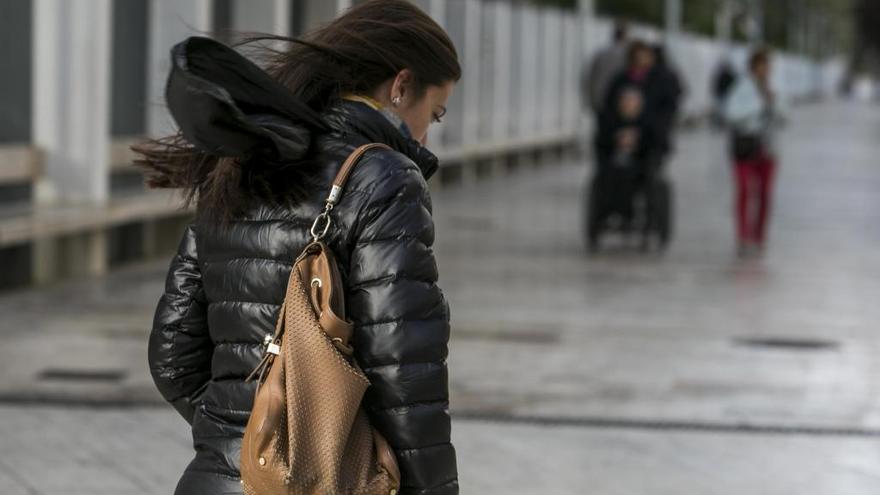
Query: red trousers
[[754, 182]]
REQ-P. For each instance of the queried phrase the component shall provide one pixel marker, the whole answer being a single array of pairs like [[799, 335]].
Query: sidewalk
[[614, 374], [75, 451]]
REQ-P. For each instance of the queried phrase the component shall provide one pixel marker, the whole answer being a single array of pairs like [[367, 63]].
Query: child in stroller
[[622, 190]]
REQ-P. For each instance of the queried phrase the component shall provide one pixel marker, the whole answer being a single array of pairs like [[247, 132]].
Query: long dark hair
[[369, 44]]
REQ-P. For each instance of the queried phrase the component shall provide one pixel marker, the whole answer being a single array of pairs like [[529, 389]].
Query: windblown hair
[[366, 46]]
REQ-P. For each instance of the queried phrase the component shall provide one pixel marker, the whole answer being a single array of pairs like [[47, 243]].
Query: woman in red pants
[[753, 111]]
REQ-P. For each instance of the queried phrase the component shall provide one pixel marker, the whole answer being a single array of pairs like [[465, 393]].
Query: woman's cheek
[[421, 133]]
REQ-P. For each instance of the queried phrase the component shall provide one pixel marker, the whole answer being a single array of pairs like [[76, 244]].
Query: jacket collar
[[357, 122]]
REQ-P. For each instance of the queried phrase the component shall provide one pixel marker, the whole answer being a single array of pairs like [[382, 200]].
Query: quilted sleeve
[[402, 328], [180, 348]]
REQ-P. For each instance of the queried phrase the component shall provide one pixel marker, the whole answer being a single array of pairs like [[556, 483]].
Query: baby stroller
[[630, 197], [628, 193]]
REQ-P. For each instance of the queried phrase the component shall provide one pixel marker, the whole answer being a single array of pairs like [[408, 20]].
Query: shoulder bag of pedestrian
[[745, 146], [308, 434]]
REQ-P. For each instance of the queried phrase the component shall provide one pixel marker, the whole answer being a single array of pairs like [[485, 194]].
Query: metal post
[[272, 16], [673, 26], [792, 29], [528, 84], [502, 83], [757, 16], [437, 11], [586, 8], [724, 22], [586, 16], [586, 34], [571, 66], [673, 17], [471, 84], [555, 51]]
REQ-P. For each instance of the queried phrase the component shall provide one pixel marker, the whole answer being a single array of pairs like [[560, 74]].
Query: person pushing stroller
[[628, 191]]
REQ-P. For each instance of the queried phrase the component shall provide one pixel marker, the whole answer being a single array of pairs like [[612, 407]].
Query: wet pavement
[[620, 373]]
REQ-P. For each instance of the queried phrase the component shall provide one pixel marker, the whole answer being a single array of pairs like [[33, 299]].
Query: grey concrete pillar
[[71, 126], [170, 22], [265, 16], [673, 16], [436, 139], [470, 85], [71, 116], [316, 12], [756, 20], [724, 21], [673, 26]]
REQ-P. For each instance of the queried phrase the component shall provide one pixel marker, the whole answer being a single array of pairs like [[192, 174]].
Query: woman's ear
[[401, 87]]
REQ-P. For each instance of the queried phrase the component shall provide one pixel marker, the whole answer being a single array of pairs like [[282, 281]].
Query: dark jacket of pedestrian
[[660, 86], [606, 64], [625, 136], [225, 284], [669, 93], [646, 83]]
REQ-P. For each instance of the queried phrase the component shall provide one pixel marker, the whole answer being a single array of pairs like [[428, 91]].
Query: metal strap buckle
[[318, 231]]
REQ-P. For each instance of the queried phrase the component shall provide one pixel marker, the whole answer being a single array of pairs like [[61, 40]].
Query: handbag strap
[[322, 223], [272, 343]]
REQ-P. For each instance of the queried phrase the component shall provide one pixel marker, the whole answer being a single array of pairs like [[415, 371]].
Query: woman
[[256, 153], [753, 111]]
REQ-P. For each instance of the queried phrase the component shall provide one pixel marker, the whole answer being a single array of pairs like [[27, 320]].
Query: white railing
[[520, 90], [522, 69]]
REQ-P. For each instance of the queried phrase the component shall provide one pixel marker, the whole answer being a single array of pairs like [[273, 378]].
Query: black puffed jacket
[[224, 289]]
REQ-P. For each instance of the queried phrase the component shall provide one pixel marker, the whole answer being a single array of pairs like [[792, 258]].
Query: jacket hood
[[226, 105]]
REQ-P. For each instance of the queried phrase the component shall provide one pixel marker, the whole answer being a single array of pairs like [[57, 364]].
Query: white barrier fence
[[520, 90], [522, 66]]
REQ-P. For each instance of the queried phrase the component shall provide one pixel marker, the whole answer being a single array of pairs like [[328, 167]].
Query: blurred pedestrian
[[669, 93], [604, 68], [723, 79], [753, 110], [630, 142], [257, 153]]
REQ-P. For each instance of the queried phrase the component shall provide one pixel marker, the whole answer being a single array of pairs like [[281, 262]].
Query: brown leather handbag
[[307, 433]]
